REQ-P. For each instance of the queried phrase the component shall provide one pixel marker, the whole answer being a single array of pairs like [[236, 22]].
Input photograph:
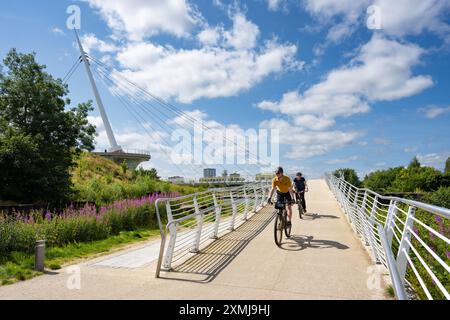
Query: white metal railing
[[192, 221], [402, 236]]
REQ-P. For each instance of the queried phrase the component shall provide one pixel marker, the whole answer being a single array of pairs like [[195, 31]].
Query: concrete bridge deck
[[322, 260]]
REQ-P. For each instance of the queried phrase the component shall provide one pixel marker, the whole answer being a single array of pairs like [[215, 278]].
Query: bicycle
[[299, 204], [281, 223]]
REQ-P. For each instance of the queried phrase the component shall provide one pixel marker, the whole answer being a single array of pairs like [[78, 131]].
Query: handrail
[[203, 216], [392, 266], [401, 235]]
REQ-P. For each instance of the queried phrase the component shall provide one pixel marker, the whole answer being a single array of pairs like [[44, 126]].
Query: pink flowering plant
[[18, 232]]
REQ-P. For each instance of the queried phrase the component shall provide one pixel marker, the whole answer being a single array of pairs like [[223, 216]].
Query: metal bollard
[[39, 257]]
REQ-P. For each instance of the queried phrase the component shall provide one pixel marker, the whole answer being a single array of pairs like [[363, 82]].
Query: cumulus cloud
[[432, 112], [305, 143], [398, 18], [381, 71], [138, 19], [436, 160], [228, 62], [275, 5], [90, 42]]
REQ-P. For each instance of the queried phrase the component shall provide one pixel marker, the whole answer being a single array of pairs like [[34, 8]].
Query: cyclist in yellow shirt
[[285, 193]]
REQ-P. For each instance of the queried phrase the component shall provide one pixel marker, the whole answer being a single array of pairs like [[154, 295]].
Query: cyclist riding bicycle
[[285, 194], [300, 188]]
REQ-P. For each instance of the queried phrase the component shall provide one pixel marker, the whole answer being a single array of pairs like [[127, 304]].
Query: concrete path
[[322, 260]]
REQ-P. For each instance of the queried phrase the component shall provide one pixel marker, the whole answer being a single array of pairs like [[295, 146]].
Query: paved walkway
[[322, 260]]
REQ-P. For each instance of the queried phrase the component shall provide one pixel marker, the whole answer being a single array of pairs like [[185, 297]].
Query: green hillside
[[99, 180]]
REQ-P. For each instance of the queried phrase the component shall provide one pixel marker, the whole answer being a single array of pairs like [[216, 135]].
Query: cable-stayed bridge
[[219, 244]]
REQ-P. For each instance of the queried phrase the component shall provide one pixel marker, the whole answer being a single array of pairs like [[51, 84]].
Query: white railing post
[[363, 218], [390, 221], [234, 211], [173, 237], [199, 218], [246, 205], [371, 232], [403, 249], [217, 211], [255, 204]]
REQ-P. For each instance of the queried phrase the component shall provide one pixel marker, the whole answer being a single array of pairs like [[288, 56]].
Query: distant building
[[176, 180], [209, 173], [235, 177], [264, 176]]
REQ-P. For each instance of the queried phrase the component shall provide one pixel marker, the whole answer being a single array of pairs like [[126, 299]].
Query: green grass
[[18, 266], [390, 291]]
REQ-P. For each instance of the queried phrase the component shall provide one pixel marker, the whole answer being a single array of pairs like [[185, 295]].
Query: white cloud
[[398, 18], [244, 34], [432, 112], [436, 160], [343, 160], [381, 71], [57, 31], [275, 5], [90, 42], [138, 19], [305, 143], [229, 61], [208, 72], [210, 36]]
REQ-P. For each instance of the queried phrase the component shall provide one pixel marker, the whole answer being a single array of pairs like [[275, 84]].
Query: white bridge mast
[[109, 132]]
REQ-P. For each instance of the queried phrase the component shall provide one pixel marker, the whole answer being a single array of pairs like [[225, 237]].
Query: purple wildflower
[[48, 216]]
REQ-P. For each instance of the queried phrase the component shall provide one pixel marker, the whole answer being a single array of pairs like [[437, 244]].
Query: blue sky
[[342, 95]]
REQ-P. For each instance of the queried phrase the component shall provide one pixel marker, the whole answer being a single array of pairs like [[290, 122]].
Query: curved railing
[[409, 238], [193, 221]]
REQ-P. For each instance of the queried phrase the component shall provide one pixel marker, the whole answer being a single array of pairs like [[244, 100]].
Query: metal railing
[[193, 221], [402, 236]]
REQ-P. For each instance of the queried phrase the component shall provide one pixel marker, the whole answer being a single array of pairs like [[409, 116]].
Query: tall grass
[[19, 232]]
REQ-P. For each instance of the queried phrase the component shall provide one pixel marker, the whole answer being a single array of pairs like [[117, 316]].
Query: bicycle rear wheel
[[300, 209], [278, 229], [287, 228]]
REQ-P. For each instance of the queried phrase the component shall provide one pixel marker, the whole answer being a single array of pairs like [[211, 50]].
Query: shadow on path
[[205, 266], [302, 242], [314, 216]]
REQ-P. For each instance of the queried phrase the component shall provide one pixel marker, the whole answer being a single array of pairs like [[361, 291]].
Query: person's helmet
[[299, 174], [279, 170]]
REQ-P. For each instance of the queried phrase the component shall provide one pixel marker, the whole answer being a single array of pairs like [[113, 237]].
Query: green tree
[[440, 197], [447, 166], [414, 163], [350, 176], [422, 179], [381, 180], [152, 173], [38, 137], [124, 167]]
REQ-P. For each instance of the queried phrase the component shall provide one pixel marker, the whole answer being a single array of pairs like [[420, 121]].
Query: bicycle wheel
[[287, 228], [300, 209], [278, 229]]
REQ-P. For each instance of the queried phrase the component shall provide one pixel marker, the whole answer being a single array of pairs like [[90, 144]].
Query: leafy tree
[[124, 167], [381, 180], [440, 197], [414, 163], [38, 137], [349, 175], [417, 179], [447, 165], [152, 173]]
